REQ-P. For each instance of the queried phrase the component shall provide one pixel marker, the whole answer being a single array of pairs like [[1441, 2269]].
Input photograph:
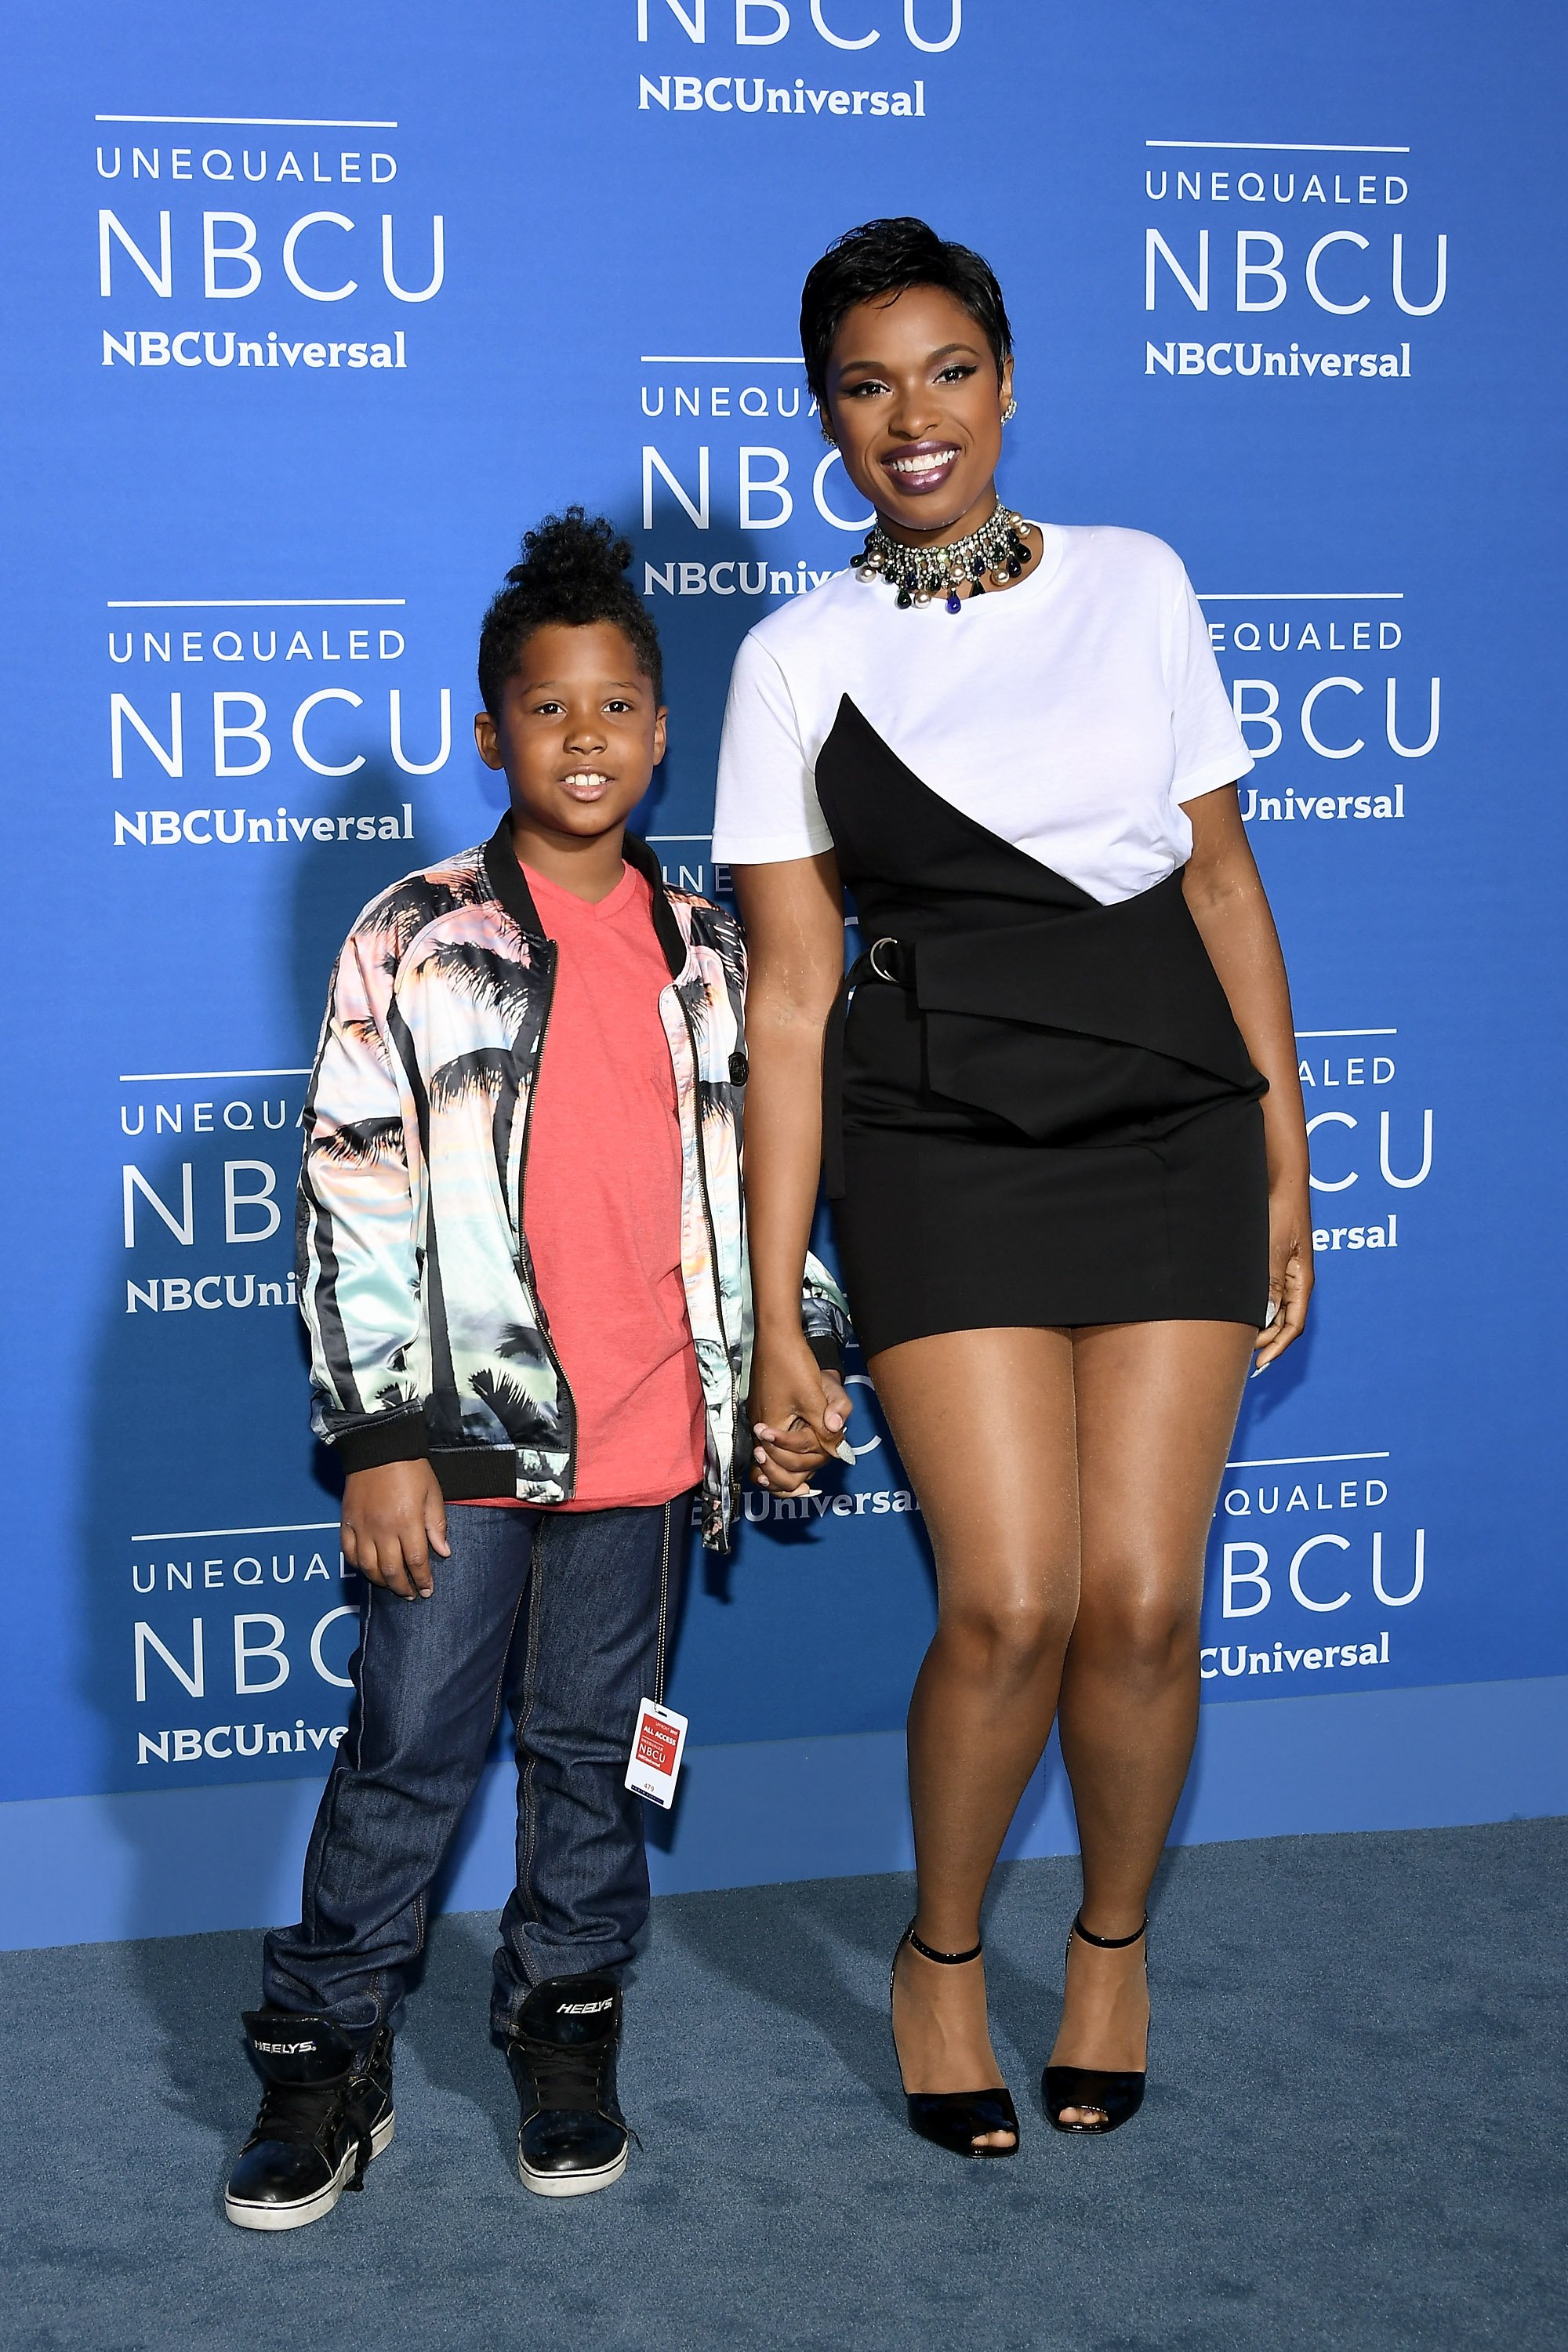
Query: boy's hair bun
[[572, 573], [569, 551]]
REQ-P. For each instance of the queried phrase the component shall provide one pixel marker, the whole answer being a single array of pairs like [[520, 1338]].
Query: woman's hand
[[1290, 1269], [798, 1414], [1225, 900], [395, 1516]]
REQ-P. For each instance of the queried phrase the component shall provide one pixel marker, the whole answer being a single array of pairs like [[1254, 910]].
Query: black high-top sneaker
[[322, 2119], [572, 2136]]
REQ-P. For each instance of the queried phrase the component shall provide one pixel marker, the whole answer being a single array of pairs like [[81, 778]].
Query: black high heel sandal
[[954, 2119], [1118, 2097]]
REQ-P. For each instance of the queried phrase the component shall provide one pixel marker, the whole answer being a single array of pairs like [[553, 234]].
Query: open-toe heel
[[956, 2120], [1116, 2097]]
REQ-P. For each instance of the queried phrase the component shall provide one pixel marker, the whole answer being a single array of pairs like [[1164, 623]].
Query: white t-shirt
[[1073, 714]]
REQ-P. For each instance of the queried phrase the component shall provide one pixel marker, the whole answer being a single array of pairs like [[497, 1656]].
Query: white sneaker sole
[[571, 2184], [249, 2214]]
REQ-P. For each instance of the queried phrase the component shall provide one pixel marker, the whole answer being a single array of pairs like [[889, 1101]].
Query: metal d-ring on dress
[[1037, 1107]]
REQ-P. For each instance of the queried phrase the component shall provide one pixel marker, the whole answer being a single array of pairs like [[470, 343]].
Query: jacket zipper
[[524, 1257]]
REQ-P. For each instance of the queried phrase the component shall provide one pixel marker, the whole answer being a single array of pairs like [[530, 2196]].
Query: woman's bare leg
[[983, 1421], [1156, 1406]]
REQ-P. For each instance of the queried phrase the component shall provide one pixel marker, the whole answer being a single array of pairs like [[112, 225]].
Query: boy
[[520, 1244]]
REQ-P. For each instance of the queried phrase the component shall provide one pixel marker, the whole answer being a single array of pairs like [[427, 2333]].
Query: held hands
[[1289, 1272], [394, 1518], [798, 1414]]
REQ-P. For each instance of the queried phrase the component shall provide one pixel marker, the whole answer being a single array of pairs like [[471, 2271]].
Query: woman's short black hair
[[572, 572], [884, 258]]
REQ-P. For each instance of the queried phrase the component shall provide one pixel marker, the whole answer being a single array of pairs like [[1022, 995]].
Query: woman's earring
[[828, 438], [1011, 410]]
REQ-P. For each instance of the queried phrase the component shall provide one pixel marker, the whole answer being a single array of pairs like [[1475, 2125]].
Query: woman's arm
[[793, 915], [1228, 903]]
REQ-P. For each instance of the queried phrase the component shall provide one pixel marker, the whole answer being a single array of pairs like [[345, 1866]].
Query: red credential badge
[[658, 1745]]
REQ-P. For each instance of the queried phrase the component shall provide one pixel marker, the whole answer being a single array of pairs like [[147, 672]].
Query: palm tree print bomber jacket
[[415, 1277]]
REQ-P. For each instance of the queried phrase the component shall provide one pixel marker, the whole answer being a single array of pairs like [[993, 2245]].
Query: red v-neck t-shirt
[[601, 1201]]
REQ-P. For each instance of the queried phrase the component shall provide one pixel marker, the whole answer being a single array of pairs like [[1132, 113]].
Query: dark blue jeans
[[559, 1615]]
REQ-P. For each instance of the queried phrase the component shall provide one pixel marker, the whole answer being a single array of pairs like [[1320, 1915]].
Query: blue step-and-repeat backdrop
[[309, 313]]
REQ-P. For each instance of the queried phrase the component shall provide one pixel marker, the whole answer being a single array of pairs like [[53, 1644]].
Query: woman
[[1061, 1123]]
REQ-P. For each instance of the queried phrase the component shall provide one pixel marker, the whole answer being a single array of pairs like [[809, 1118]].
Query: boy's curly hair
[[572, 572]]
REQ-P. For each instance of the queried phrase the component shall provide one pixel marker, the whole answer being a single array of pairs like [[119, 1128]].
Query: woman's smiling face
[[915, 406]]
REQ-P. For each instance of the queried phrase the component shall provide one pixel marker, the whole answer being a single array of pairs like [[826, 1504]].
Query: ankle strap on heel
[[944, 1960], [1107, 1943]]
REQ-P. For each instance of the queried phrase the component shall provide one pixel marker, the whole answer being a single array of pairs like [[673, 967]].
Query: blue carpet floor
[[1354, 2136]]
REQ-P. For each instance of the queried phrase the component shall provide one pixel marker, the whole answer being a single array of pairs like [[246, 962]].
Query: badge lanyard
[[658, 1741]]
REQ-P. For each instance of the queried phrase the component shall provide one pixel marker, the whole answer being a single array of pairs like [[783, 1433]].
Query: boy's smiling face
[[579, 735]]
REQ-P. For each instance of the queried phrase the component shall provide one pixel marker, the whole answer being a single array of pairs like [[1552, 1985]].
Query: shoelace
[[301, 2115], [296, 2114], [570, 2076]]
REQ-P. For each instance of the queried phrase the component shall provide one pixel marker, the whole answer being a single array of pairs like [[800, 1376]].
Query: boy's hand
[[798, 1417], [395, 1516]]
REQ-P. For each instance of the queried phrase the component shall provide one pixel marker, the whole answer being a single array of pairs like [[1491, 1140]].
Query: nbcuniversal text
[[1238, 1659]]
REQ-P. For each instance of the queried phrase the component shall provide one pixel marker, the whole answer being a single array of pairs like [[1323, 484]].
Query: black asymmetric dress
[[1038, 1108]]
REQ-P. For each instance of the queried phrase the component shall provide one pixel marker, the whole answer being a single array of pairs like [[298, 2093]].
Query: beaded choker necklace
[[919, 573]]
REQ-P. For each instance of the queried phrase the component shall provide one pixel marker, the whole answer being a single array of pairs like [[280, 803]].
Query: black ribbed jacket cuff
[[828, 1352], [400, 1436]]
